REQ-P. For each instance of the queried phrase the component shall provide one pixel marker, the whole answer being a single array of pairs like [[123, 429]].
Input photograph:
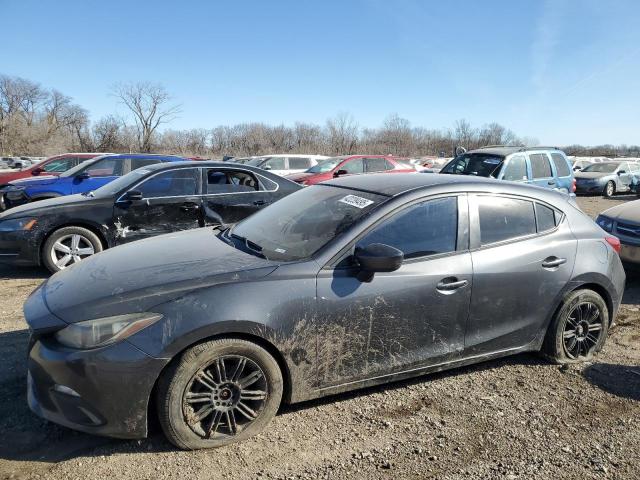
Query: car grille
[[628, 229]]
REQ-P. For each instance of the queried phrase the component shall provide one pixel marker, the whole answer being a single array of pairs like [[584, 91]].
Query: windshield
[[325, 165], [302, 223], [479, 164], [601, 167], [73, 171], [121, 183]]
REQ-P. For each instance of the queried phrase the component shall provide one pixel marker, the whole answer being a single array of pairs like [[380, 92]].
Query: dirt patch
[[514, 418]]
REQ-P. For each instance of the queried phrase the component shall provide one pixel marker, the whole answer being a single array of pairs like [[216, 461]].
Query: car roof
[[398, 183], [504, 150], [202, 163]]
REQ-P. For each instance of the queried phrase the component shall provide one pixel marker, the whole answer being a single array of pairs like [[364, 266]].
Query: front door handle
[[450, 284], [551, 182], [553, 262], [189, 207]]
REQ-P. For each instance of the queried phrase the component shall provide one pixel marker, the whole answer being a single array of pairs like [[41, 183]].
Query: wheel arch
[[287, 386], [94, 228]]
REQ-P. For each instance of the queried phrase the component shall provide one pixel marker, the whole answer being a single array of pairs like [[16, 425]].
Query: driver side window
[[60, 165], [516, 169], [354, 166], [173, 183], [427, 228]]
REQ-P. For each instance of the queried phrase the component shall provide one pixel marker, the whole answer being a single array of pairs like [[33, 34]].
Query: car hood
[[137, 276], [42, 207], [592, 175], [625, 212], [298, 177], [39, 180]]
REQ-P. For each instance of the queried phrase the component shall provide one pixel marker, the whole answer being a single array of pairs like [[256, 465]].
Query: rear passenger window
[[427, 228], [299, 163], [504, 218], [561, 165], [546, 217], [376, 164], [516, 169], [540, 166], [230, 181], [142, 162]]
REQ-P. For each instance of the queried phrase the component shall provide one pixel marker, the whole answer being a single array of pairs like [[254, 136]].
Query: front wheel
[[610, 189], [69, 245], [219, 392], [579, 329]]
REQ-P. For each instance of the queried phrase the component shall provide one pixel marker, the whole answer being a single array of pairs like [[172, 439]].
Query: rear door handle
[[451, 283], [259, 202], [553, 262], [551, 182]]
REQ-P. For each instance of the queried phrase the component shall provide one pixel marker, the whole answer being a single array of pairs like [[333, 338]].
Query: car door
[[412, 317], [170, 202], [625, 177], [232, 194], [97, 174], [523, 254]]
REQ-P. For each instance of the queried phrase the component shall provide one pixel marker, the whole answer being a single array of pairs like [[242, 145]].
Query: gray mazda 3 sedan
[[355, 282]]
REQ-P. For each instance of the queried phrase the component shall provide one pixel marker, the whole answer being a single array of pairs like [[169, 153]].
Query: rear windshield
[[478, 164]]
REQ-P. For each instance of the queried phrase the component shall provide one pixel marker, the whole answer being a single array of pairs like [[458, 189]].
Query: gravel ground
[[513, 418]]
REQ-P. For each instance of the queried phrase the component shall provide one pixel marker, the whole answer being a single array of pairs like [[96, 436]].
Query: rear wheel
[[69, 245], [610, 189], [579, 329], [219, 392]]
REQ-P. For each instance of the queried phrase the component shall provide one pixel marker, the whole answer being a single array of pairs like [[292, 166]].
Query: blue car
[[546, 167], [83, 178]]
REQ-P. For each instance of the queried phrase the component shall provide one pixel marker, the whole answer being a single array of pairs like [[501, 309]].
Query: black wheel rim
[[582, 330], [225, 397]]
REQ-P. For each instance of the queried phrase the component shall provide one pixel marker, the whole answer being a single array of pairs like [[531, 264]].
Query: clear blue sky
[[561, 71]]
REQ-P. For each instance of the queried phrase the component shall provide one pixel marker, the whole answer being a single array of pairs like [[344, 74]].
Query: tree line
[[39, 121]]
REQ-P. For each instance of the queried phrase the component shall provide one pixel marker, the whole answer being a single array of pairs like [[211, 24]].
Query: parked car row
[[18, 162], [336, 286]]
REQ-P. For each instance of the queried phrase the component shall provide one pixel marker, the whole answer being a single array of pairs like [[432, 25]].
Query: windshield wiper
[[250, 247]]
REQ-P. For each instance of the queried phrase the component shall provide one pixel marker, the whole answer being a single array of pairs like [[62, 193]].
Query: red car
[[350, 165], [51, 166]]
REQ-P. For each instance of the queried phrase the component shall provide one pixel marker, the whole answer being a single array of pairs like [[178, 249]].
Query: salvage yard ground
[[519, 417]]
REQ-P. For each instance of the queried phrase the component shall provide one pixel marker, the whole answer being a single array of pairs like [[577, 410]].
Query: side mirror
[[340, 172], [132, 196], [575, 169], [267, 167], [83, 176], [621, 172], [377, 257], [36, 171]]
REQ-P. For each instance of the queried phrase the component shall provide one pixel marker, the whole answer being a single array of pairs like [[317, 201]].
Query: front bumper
[[630, 253], [589, 187], [104, 391], [20, 247]]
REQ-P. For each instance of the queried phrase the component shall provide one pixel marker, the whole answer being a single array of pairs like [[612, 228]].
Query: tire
[[609, 189], [70, 243], [219, 410], [584, 313]]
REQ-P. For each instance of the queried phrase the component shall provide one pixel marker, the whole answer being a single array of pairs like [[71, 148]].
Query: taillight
[[614, 242], [573, 186]]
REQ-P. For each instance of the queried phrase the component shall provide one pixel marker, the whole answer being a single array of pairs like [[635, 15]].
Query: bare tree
[[149, 105], [342, 131]]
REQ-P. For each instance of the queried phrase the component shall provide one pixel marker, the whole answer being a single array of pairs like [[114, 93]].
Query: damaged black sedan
[[355, 282], [149, 201]]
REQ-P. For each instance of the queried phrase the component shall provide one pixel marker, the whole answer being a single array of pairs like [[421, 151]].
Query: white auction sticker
[[356, 201]]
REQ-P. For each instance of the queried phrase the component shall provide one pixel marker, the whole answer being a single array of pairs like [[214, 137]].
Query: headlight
[[605, 223], [104, 331], [15, 224]]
